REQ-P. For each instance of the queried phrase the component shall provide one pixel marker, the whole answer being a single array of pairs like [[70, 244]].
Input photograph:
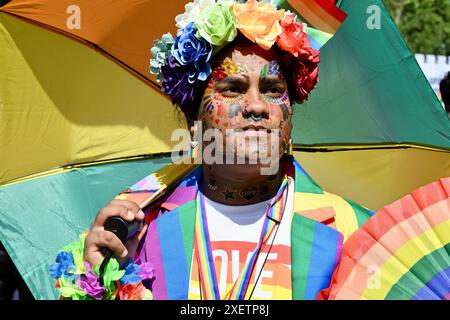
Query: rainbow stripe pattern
[[402, 253], [274, 217], [205, 259], [323, 17], [315, 243], [210, 288]]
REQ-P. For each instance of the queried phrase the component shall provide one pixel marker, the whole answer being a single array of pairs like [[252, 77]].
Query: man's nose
[[257, 109]]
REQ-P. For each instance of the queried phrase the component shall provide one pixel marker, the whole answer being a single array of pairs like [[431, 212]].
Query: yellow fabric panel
[[346, 222], [62, 102], [375, 178]]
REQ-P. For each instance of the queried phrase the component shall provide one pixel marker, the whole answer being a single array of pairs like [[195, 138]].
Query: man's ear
[[193, 127]]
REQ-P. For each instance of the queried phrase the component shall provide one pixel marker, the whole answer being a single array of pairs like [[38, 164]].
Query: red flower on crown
[[218, 74], [293, 39]]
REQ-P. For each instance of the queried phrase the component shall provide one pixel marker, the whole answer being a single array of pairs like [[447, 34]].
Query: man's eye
[[232, 90], [273, 91]]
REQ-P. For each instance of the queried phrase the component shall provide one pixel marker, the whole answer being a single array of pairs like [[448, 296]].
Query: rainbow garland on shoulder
[[76, 279], [207, 25]]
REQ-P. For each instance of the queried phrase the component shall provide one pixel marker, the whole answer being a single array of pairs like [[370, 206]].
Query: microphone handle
[[121, 228]]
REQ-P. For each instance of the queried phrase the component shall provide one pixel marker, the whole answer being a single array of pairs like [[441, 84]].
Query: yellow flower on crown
[[229, 66]]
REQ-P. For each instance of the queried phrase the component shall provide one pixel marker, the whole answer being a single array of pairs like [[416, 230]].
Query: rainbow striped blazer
[[321, 222]]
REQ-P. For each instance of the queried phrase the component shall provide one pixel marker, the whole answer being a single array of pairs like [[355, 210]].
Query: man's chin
[[255, 157], [268, 164]]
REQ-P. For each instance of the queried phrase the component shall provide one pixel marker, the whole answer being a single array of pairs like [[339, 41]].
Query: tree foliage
[[3, 2], [425, 24]]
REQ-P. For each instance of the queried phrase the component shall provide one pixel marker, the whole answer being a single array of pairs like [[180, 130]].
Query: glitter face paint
[[228, 68], [229, 100], [275, 70], [283, 99], [271, 69]]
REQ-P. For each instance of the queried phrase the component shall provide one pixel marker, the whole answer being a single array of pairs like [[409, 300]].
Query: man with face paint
[[227, 230], [250, 108]]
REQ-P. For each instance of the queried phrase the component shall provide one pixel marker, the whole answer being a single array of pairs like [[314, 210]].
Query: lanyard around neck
[[202, 245]]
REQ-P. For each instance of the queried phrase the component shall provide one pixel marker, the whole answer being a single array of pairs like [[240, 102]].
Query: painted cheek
[[207, 103], [218, 118], [276, 113], [233, 110], [224, 114], [273, 110], [284, 108], [220, 110], [208, 120]]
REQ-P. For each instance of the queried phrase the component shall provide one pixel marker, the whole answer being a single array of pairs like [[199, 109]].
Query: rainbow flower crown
[[182, 63]]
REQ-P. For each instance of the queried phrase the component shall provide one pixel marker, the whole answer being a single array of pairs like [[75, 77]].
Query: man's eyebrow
[[272, 81], [233, 79]]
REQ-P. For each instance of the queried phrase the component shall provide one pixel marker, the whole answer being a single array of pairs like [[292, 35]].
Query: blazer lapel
[[315, 253], [168, 199], [169, 246], [315, 246]]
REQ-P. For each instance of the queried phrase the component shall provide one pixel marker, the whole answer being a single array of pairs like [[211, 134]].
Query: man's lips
[[255, 128]]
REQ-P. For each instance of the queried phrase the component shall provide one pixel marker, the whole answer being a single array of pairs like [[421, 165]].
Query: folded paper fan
[[401, 253]]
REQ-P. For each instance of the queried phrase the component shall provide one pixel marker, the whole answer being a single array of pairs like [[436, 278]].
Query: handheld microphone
[[123, 230]]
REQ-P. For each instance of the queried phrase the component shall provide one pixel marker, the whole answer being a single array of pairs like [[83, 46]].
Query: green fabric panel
[[318, 35], [187, 220], [420, 274], [304, 183], [302, 236], [362, 214], [40, 216], [371, 89]]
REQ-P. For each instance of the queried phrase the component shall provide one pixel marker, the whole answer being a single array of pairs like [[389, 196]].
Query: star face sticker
[[212, 184], [228, 194]]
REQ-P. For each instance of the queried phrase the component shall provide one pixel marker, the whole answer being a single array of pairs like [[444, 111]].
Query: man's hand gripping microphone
[[123, 230]]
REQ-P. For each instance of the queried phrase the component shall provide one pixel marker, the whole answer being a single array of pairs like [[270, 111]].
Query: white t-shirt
[[234, 232], [235, 223]]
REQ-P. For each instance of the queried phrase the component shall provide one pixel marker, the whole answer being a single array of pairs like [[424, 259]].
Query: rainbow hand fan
[[401, 253]]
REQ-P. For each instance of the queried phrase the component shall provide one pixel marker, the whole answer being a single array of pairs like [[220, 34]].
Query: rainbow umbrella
[[82, 118]]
